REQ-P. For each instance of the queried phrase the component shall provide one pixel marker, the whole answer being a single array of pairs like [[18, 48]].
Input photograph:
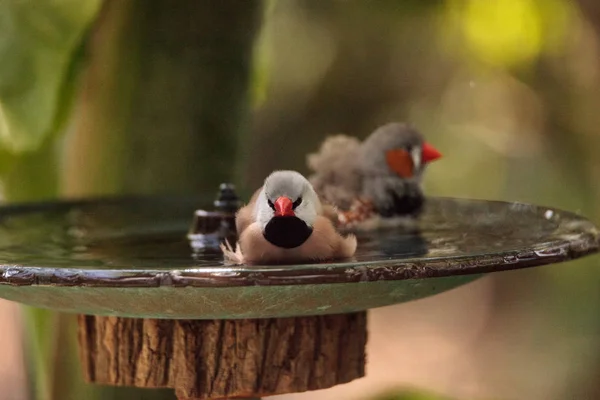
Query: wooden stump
[[221, 359]]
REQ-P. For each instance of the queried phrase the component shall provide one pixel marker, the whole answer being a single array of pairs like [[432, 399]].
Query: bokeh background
[[131, 96]]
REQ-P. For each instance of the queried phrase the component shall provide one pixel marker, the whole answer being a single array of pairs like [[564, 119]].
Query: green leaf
[[411, 394], [40, 338], [38, 42], [408, 394], [261, 59]]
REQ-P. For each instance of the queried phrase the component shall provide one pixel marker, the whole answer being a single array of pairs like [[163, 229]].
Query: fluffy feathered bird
[[284, 223], [377, 179]]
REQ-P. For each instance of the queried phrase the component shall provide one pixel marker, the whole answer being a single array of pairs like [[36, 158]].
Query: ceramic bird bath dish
[[158, 308]]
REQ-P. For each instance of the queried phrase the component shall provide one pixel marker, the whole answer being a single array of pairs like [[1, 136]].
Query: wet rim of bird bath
[[496, 236]]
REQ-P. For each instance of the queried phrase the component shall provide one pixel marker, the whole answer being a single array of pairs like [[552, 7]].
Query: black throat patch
[[287, 232], [407, 205]]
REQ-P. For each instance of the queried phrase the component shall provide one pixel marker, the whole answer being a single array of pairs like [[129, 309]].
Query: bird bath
[[155, 312]]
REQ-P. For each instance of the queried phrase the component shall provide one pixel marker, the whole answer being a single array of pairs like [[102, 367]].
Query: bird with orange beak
[[284, 223], [377, 179]]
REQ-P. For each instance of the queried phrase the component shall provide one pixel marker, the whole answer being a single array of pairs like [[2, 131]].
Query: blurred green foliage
[[41, 48], [405, 394], [38, 48]]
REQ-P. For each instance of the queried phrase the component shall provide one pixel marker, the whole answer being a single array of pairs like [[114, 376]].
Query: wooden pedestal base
[[221, 359]]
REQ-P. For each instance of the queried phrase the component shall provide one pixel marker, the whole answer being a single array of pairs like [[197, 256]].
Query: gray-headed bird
[[284, 223], [374, 180]]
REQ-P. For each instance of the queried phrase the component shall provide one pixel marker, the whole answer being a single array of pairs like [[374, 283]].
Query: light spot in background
[[510, 33], [501, 112], [503, 32], [305, 59]]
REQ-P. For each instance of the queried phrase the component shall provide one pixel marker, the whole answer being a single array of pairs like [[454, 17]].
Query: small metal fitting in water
[[227, 200], [210, 228]]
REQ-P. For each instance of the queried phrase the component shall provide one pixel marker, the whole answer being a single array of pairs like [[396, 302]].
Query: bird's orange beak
[[429, 153], [284, 207]]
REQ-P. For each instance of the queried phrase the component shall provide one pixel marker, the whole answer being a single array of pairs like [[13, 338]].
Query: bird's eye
[[271, 204], [297, 202]]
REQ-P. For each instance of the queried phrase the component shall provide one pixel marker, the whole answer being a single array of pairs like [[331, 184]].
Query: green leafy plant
[[39, 43], [409, 394]]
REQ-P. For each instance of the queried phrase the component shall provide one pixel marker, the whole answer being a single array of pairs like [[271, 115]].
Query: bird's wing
[[326, 243], [331, 212], [245, 215], [336, 178]]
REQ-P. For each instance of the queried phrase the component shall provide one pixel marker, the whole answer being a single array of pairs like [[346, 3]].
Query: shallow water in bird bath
[[138, 247]]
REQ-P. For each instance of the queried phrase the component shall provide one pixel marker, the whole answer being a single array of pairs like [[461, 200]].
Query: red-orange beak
[[429, 153], [284, 207]]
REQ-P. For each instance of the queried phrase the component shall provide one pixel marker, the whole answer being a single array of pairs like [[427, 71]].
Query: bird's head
[[397, 149], [286, 209]]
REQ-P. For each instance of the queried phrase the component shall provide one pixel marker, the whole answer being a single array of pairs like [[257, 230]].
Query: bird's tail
[[335, 176]]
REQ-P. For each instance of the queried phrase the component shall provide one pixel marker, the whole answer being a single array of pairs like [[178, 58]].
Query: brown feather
[[245, 215]]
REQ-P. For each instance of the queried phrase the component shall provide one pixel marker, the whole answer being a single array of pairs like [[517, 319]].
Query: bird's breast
[[287, 232]]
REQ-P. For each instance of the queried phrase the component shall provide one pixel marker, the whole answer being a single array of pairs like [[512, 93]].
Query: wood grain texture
[[220, 359]]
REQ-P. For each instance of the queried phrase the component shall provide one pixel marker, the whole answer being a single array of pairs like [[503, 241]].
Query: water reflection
[[152, 234]]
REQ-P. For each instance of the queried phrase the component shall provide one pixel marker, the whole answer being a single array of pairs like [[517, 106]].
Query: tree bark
[[220, 359], [164, 98]]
